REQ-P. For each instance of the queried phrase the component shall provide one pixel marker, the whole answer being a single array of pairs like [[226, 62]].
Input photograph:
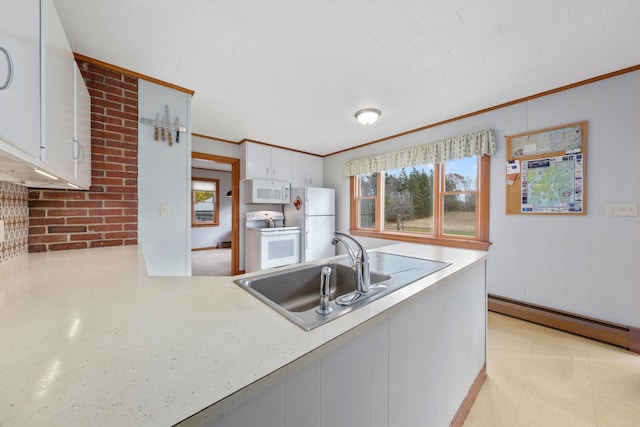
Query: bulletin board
[[545, 171]]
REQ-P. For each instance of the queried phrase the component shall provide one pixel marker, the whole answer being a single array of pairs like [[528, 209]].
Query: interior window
[[204, 202]]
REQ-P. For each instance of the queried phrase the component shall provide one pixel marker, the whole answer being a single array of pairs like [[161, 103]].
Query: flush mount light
[[368, 115]]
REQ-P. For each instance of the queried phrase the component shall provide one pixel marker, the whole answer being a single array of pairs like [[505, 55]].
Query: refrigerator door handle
[[306, 232]]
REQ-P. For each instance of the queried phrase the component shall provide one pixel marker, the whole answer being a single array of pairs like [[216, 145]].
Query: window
[[205, 200], [444, 203]]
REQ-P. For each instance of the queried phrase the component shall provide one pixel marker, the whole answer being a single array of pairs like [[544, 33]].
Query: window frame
[[480, 242], [215, 222]]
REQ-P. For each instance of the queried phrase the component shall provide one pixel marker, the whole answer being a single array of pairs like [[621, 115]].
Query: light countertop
[[88, 337]]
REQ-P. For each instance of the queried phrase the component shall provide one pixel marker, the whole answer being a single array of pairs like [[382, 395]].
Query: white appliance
[[313, 210], [265, 191], [268, 243]]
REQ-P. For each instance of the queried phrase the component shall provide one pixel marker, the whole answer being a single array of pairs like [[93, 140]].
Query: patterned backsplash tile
[[14, 211]]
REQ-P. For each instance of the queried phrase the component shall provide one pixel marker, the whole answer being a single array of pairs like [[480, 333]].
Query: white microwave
[[266, 191]]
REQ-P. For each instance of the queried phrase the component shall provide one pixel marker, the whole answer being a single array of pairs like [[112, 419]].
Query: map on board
[[567, 139], [552, 185]]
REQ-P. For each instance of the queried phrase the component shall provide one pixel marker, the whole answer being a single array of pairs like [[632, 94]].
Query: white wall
[[588, 264], [206, 237], [164, 179]]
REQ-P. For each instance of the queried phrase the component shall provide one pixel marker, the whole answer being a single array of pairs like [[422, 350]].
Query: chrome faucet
[[360, 265], [325, 290]]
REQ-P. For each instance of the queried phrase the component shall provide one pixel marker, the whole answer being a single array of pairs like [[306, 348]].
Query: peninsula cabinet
[[265, 162], [20, 78], [307, 170], [412, 365]]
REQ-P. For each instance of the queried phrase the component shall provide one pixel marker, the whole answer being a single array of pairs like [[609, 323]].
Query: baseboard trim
[[467, 403], [208, 248], [611, 333]]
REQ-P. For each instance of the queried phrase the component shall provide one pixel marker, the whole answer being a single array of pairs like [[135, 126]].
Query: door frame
[[235, 204]]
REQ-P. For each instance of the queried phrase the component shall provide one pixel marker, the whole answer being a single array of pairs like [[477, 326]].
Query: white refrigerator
[[313, 210]]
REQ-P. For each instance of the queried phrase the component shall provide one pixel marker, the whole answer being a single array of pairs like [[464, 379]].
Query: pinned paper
[[511, 178], [513, 166]]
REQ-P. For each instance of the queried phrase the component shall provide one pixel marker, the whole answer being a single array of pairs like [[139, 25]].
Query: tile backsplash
[[14, 211]]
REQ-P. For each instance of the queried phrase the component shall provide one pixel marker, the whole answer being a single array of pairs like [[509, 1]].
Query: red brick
[[106, 227], [64, 195], [56, 238], [121, 189], [84, 204], [121, 235], [67, 246], [85, 220], [132, 204], [46, 204], [107, 181], [131, 242], [46, 221], [67, 212], [85, 237], [37, 230], [120, 219], [37, 213], [103, 243], [37, 248], [105, 196]]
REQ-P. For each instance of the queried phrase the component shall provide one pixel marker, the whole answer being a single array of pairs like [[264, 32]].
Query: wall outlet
[[1, 230], [622, 209]]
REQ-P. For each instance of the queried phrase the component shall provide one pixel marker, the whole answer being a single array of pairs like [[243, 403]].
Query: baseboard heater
[[623, 336]]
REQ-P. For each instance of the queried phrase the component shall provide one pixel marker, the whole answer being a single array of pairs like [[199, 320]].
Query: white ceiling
[[293, 72]]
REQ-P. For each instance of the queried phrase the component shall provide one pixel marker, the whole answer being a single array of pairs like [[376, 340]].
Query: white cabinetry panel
[[81, 132], [20, 78], [307, 170], [266, 162], [413, 368], [58, 96]]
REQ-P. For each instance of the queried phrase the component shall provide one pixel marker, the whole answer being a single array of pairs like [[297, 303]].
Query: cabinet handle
[[7, 82]]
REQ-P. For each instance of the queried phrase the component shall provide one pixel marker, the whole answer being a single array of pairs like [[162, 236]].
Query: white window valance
[[470, 145]]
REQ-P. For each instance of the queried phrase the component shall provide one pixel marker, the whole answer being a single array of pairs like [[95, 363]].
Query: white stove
[[268, 242]]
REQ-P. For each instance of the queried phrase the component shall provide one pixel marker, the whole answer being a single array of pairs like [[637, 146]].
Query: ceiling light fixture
[[368, 115]]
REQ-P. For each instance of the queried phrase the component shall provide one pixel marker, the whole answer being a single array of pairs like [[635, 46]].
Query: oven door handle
[[273, 232]]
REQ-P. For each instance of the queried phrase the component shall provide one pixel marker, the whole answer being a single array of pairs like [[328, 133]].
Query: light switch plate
[[164, 209], [622, 209], [1, 230]]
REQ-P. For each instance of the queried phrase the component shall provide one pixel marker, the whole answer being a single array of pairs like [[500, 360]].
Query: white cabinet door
[[258, 161], [20, 78], [265, 162], [81, 133], [281, 164], [58, 96], [307, 171]]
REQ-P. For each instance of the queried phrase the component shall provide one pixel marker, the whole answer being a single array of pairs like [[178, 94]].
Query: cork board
[[545, 171]]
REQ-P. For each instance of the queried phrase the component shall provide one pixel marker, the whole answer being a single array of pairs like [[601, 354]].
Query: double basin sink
[[295, 293]]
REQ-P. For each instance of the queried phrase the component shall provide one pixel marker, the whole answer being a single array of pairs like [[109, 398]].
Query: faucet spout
[[359, 263]]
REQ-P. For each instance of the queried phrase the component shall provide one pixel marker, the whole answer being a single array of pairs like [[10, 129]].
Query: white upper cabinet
[[307, 170], [265, 162], [58, 70], [81, 132], [45, 111], [20, 78]]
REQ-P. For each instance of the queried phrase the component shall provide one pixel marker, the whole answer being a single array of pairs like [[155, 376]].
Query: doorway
[[219, 252]]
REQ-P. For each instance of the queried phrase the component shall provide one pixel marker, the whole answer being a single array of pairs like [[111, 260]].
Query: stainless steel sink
[[295, 293]]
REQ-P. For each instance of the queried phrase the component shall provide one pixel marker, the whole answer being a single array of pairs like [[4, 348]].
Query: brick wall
[[107, 214]]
